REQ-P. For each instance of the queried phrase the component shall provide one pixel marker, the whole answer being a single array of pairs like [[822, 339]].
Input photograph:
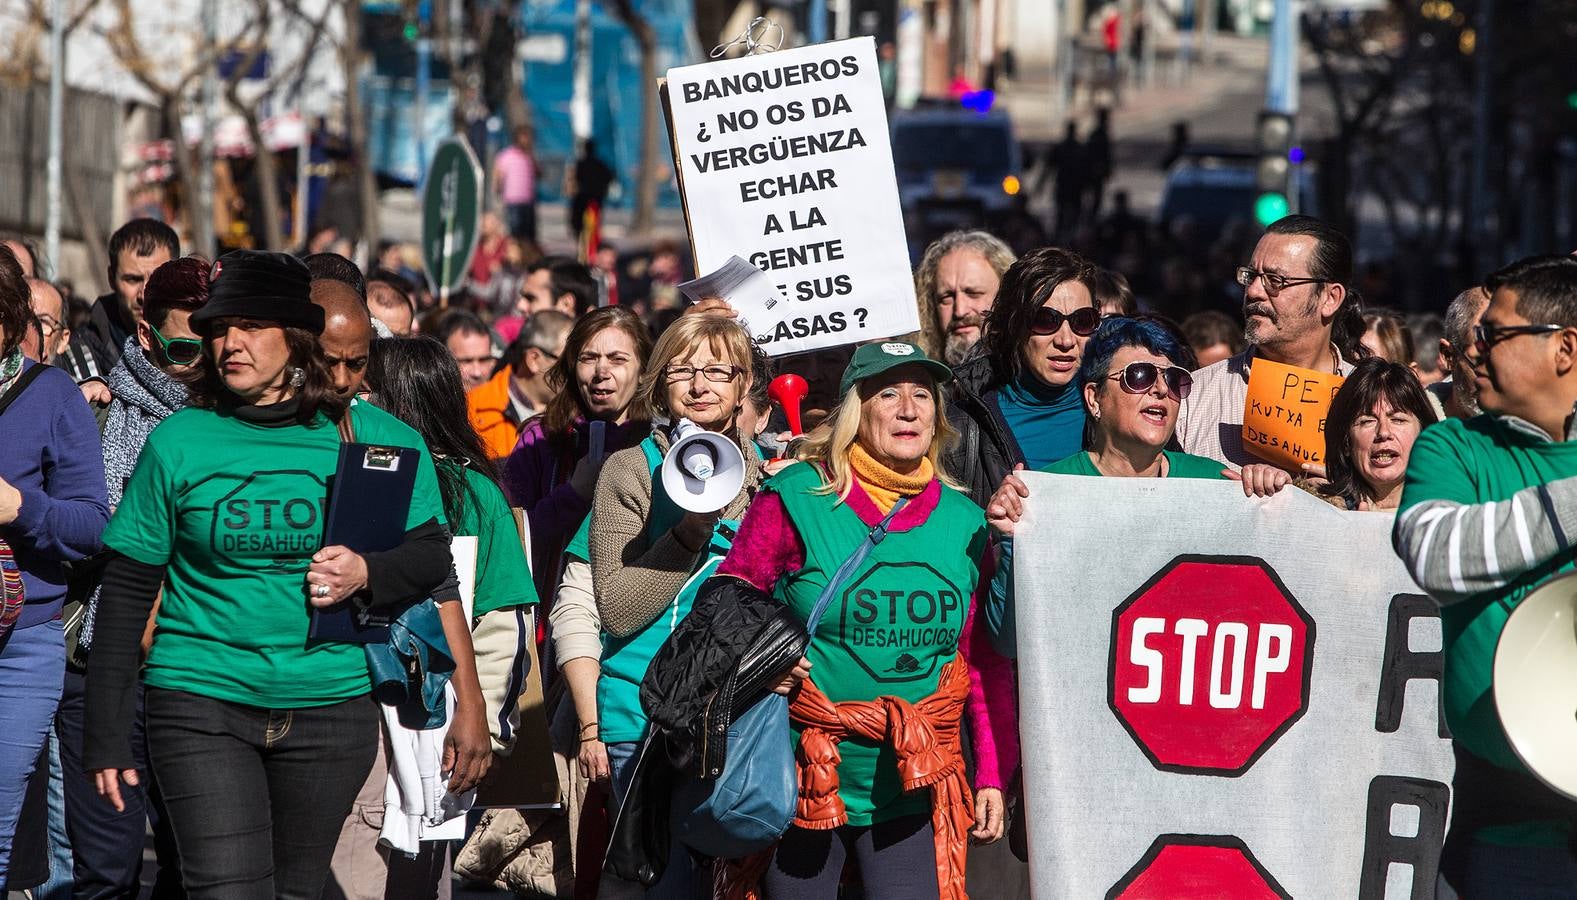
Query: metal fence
[[92, 132]]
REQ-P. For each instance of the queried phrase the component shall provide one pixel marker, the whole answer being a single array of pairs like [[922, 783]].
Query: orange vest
[[925, 736], [491, 412]]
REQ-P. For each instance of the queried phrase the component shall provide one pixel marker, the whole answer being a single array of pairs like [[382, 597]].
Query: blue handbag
[[748, 807]]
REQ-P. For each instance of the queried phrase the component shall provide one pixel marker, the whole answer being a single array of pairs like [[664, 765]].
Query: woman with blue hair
[[1133, 377]]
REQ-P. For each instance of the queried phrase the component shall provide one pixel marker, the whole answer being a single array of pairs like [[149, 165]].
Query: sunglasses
[[179, 351], [1487, 336], [1083, 321], [1140, 377]]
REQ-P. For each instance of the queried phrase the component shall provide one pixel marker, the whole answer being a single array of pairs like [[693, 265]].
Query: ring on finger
[[322, 590]]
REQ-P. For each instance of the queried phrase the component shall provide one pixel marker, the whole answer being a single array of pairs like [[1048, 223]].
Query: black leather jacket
[[985, 451], [723, 657]]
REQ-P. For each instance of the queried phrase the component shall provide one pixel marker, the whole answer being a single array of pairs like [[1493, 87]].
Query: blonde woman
[[643, 548], [897, 635]]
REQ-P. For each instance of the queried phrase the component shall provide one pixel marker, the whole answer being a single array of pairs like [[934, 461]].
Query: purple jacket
[[536, 478], [50, 453]]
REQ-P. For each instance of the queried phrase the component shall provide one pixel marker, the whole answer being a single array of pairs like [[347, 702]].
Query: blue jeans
[[32, 670], [680, 879], [60, 882], [1521, 873], [256, 797]]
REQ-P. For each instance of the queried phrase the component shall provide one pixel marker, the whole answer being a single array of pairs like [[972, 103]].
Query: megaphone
[[788, 391], [703, 470], [1535, 682]]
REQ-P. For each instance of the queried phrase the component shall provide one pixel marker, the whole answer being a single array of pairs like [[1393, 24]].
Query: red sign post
[[1210, 664]]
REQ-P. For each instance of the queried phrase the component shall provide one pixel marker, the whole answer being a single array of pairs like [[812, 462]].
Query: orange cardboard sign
[[1284, 416]]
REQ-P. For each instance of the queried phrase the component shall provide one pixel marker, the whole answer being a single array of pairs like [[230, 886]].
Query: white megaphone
[[703, 470], [1535, 682]]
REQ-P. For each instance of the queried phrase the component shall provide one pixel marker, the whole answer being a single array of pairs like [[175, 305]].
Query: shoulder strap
[[877, 533], [20, 385]]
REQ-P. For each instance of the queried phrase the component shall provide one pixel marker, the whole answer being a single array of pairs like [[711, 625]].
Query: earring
[[298, 377], [1095, 413]]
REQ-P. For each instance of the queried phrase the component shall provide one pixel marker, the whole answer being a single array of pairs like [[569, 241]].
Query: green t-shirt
[[999, 611], [502, 577], [1178, 465], [234, 510], [1471, 462], [890, 628]]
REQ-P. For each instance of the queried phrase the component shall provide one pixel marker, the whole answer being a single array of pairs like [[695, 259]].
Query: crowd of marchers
[[166, 465]]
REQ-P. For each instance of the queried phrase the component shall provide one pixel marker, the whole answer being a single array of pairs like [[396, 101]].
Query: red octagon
[[1210, 664], [1191, 865]]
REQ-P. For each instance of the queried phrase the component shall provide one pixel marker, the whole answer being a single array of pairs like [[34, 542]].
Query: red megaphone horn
[[788, 391]]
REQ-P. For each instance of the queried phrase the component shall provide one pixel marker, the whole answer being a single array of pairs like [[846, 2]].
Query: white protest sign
[[784, 160], [1228, 697]]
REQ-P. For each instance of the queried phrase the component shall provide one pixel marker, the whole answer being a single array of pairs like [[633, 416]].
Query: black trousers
[[106, 846], [256, 797]]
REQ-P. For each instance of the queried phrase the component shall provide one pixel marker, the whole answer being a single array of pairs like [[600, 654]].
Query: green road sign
[[451, 211]]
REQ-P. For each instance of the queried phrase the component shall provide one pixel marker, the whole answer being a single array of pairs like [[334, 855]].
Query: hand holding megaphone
[[703, 471]]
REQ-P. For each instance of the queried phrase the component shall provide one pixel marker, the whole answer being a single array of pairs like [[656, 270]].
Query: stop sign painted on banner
[[1210, 664], [1191, 865]]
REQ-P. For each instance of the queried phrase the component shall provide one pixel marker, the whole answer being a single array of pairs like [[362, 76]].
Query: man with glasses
[[50, 310], [1488, 512], [1297, 312], [1015, 400], [519, 389], [1456, 396]]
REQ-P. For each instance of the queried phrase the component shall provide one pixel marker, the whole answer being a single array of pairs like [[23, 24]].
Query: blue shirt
[[49, 452], [1046, 422]]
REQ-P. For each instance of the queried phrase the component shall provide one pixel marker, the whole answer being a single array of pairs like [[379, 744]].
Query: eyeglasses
[[714, 374], [1139, 377], [1047, 320], [48, 324], [1274, 284], [179, 351], [1487, 336]]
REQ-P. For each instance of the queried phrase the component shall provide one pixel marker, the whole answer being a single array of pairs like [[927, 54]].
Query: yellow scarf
[[883, 484]]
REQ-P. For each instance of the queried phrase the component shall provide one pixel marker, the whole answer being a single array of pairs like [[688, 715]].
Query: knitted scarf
[[10, 368], [142, 396]]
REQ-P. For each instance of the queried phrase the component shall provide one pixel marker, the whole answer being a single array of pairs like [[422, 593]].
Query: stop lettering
[[1210, 664]]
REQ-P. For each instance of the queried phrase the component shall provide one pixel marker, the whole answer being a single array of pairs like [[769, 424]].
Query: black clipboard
[[369, 503]]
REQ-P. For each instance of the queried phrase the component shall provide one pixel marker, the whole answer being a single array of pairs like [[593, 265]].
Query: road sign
[[1210, 645], [451, 210], [1191, 865]]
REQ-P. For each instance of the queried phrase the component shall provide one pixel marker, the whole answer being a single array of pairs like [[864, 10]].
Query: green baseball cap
[[878, 357]]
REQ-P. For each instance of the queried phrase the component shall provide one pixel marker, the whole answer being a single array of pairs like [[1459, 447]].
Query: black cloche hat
[[256, 284]]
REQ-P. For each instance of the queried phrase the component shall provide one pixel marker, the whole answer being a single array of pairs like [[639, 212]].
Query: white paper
[[786, 162]]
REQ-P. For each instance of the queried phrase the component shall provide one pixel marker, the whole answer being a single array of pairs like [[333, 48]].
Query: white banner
[[784, 160], [1227, 697]]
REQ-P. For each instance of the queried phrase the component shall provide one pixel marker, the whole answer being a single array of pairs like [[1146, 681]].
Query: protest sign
[[1284, 416], [784, 160], [1243, 703]]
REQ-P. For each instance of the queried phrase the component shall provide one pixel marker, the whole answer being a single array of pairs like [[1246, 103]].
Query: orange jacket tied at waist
[[925, 736]]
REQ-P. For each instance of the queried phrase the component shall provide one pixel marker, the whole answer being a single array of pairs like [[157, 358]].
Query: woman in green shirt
[[258, 736], [417, 381], [1133, 377]]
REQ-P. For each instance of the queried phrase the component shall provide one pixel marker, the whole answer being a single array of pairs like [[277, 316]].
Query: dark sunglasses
[[1047, 320], [179, 351], [1487, 336], [1139, 377]]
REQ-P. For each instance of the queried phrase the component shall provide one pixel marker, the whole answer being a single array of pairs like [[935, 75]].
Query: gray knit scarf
[[143, 395]]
